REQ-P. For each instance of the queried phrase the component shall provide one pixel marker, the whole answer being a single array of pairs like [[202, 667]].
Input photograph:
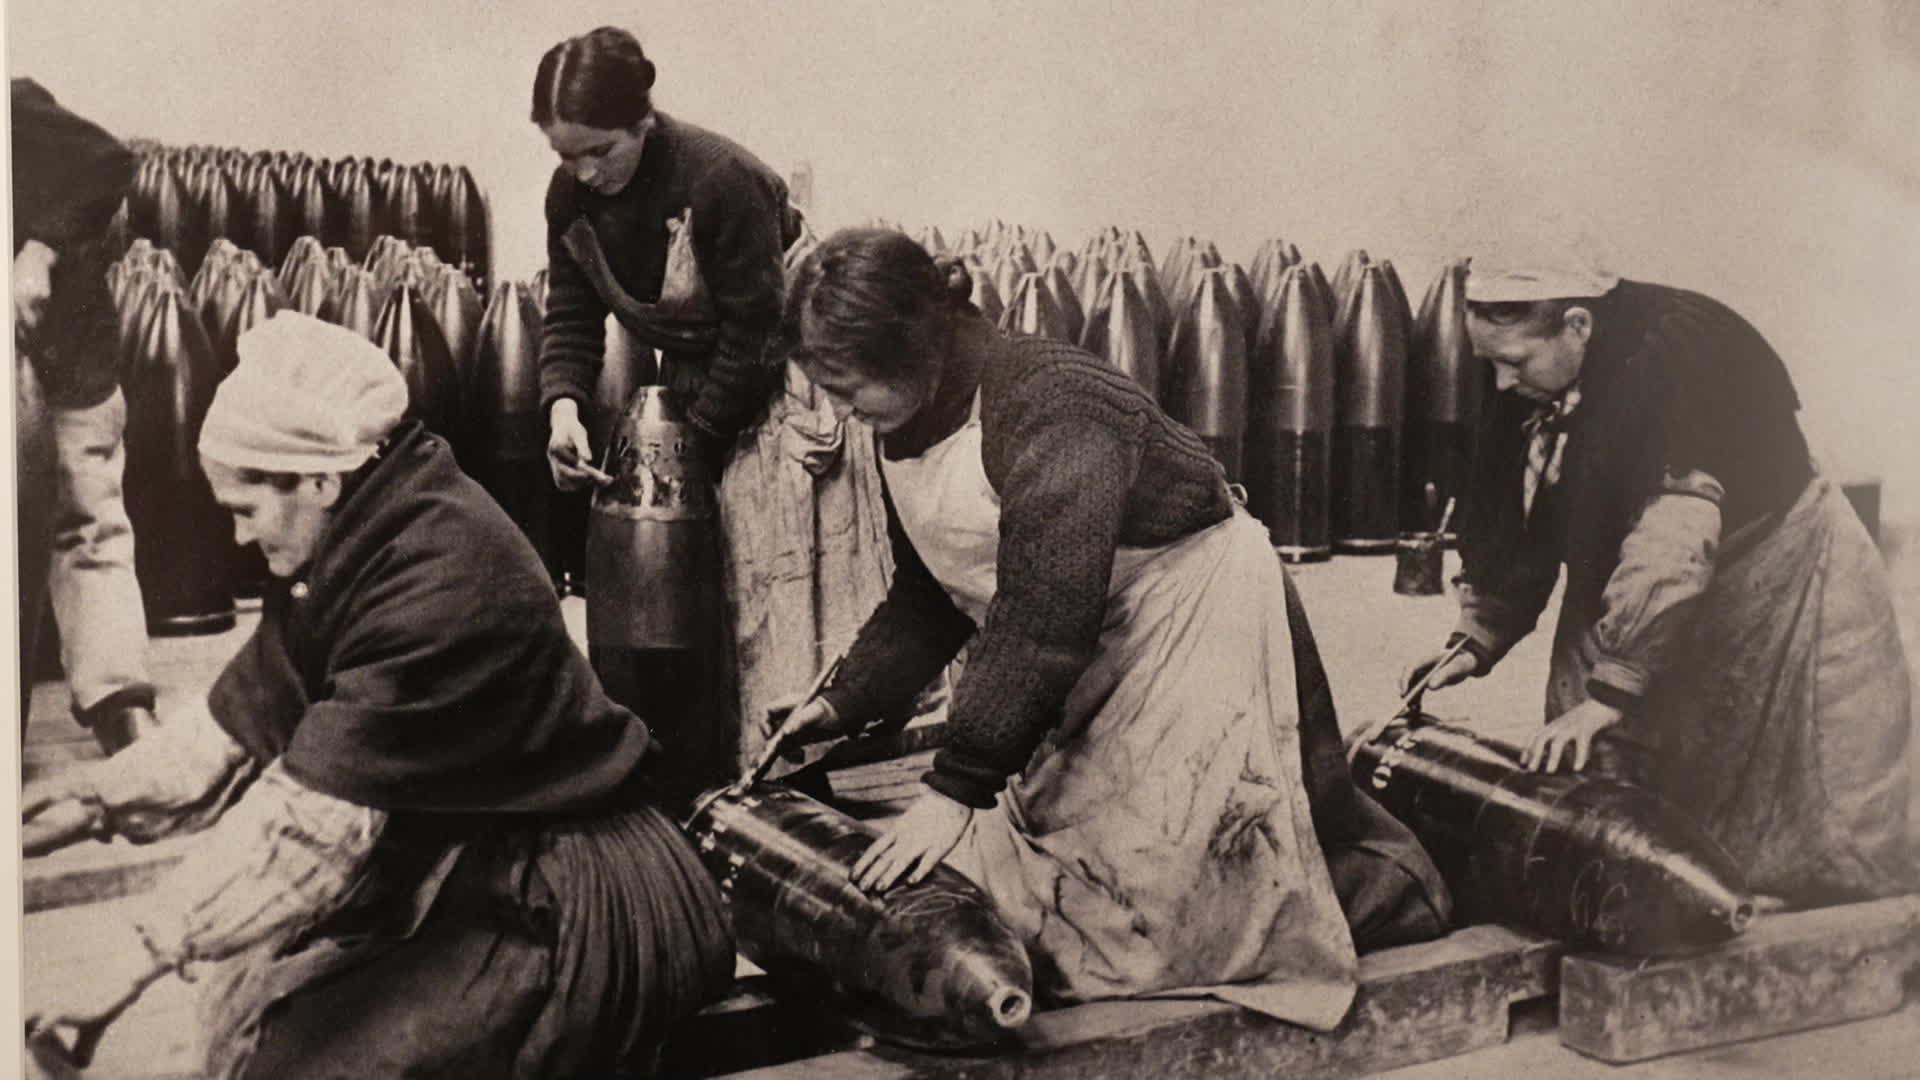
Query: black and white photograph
[[1063, 539]]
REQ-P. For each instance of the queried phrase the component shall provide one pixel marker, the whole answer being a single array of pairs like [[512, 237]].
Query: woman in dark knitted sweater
[[1727, 634], [680, 234], [1124, 772]]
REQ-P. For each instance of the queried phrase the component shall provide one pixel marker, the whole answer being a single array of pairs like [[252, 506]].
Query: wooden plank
[[1415, 1003], [1788, 972], [91, 872]]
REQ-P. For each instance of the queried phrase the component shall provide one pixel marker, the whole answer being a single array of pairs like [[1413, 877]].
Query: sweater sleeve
[[283, 857], [914, 633], [1494, 620], [1666, 563], [70, 174], [70, 178], [573, 333], [1062, 504], [176, 780], [737, 229]]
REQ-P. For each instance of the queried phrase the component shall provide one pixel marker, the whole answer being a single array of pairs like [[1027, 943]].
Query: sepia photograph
[[1059, 539]]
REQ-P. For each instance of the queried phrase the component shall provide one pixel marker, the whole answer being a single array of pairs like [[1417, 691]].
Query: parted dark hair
[[600, 79], [867, 299]]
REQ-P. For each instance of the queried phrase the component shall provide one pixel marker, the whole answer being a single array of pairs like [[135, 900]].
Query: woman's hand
[[914, 844], [32, 282], [59, 811], [1574, 730], [813, 721], [1440, 675], [569, 454]]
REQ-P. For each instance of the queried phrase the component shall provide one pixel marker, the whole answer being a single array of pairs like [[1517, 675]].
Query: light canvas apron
[[1160, 841]]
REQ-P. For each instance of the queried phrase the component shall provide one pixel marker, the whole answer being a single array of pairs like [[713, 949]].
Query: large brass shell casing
[[651, 548], [928, 965], [1589, 860]]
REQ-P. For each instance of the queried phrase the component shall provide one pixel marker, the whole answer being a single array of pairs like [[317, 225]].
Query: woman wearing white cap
[[428, 844], [1727, 634]]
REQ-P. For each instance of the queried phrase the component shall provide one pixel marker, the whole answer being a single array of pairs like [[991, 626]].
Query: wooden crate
[[1416, 1003], [1788, 972]]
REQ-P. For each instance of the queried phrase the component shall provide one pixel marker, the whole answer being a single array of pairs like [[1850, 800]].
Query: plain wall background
[[1765, 153]]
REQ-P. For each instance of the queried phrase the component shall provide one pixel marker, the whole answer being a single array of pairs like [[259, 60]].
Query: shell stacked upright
[[184, 198]]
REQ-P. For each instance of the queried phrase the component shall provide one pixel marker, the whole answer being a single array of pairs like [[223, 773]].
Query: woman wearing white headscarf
[[1727, 634], [429, 845]]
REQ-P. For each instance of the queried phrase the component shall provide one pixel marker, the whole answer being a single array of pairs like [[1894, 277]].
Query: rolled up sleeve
[[283, 857], [1666, 564]]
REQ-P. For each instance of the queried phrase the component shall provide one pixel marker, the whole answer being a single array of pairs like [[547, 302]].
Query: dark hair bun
[[621, 50], [954, 280]]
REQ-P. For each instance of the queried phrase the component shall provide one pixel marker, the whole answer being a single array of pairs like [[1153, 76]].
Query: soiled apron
[[1782, 724], [1160, 841], [803, 526]]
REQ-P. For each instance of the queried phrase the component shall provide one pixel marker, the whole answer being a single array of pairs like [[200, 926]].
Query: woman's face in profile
[[603, 159], [883, 405]]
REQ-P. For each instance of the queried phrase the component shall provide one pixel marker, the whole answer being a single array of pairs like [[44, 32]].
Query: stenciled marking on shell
[[1392, 756]]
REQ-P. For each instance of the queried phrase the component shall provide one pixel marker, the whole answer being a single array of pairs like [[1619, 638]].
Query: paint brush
[[1418, 688]]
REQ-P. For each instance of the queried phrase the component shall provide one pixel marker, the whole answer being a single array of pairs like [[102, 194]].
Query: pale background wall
[[1763, 152]]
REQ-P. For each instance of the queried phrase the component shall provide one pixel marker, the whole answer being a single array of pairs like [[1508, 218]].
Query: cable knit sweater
[[1083, 463], [741, 226]]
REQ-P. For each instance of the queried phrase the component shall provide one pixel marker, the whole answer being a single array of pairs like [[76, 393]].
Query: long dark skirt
[[567, 951]]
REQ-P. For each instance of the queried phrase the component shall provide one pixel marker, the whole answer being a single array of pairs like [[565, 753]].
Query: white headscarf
[[1498, 277], [306, 397]]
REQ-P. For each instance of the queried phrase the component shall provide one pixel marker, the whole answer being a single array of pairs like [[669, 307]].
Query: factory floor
[[1367, 635]]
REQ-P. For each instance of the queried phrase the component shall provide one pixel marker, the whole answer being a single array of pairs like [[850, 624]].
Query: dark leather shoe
[[123, 727]]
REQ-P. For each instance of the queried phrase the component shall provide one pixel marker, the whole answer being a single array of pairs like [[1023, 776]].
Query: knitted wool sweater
[[1083, 463], [740, 230]]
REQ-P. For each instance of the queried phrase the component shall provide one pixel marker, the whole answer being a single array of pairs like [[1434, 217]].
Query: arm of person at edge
[[1492, 621], [1666, 563], [573, 340], [1059, 529], [71, 176], [914, 633], [32, 283], [176, 780], [279, 858], [737, 218]]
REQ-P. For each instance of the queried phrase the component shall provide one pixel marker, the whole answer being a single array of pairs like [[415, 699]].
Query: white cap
[[1499, 277], [306, 397]]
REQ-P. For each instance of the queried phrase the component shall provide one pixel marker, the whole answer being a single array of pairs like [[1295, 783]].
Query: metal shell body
[[1444, 388], [1290, 420], [467, 228], [259, 300], [1122, 331], [1370, 357], [354, 302], [1206, 386], [652, 548], [408, 333], [986, 296], [272, 219], [1586, 859], [507, 451], [929, 964], [1059, 282], [309, 286], [1032, 312], [169, 376]]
